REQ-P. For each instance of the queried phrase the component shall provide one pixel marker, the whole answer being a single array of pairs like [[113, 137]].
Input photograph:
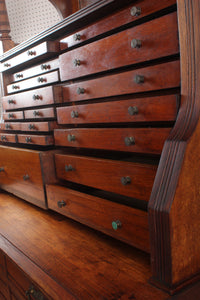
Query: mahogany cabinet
[[103, 111]]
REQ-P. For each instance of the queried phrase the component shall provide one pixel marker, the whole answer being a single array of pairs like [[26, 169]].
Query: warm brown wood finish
[[107, 174], [158, 38], [143, 140], [40, 69], [10, 126], [37, 97], [99, 213], [12, 116], [117, 19], [43, 50], [155, 78], [8, 138], [41, 80], [45, 113], [160, 108], [42, 140], [38, 126]]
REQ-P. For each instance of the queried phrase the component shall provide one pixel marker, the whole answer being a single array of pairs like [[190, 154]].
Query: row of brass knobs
[[129, 140]]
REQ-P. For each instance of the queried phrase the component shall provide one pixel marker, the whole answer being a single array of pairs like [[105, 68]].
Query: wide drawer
[[117, 19], [43, 50], [101, 214], [130, 179], [39, 126], [160, 108], [40, 69], [42, 140], [17, 115], [41, 80], [8, 138], [38, 97], [143, 140], [10, 126], [45, 113], [158, 38], [21, 173]]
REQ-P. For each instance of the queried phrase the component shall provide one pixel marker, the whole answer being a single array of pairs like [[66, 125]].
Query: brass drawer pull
[[126, 180], [31, 53], [69, 168], [3, 138], [136, 43], [31, 126], [61, 203], [28, 139], [71, 137], [18, 75], [129, 140], [45, 67], [10, 116], [15, 87], [32, 293], [135, 11], [80, 90], [41, 79], [139, 79], [7, 65], [36, 113], [7, 126], [77, 62], [26, 177], [77, 37], [133, 110], [2, 169], [11, 101], [74, 114], [116, 224], [36, 97]]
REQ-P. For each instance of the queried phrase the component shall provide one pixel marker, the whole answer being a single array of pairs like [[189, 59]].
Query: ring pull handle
[[26, 177], [77, 62], [71, 137], [28, 139], [31, 53], [61, 203], [126, 180], [77, 37], [135, 11]]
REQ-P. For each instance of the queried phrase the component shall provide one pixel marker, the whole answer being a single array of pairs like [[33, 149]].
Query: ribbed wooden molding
[[5, 38]]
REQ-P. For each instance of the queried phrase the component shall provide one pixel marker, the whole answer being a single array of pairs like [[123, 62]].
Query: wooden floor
[[72, 261]]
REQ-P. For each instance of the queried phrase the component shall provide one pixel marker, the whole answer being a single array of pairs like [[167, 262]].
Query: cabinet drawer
[[117, 19], [21, 174], [10, 126], [154, 78], [125, 178], [44, 50], [42, 140], [8, 138], [39, 126], [147, 140], [40, 69], [158, 39], [38, 97], [162, 108], [46, 113], [17, 115], [33, 82], [99, 214]]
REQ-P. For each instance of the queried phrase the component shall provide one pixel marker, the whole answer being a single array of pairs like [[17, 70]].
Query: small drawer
[[21, 173], [136, 81], [44, 79], [39, 126], [126, 178], [43, 50], [141, 140], [101, 214], [10, 126], [154, 109], [122, 17], [152, 40], [45, 113], [42, 140], [8, 138], [39, 97], [17, 115], [40, 69]]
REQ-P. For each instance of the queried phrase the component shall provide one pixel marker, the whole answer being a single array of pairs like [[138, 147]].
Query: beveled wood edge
[[69, 24], [47, 284], [174, 152]]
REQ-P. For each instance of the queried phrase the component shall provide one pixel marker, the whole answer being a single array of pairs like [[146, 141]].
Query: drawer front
[[100, 214], [46, 113], [148, 140], [40, 69], [154, 78], [117, 19], [8, 138], [38, 126], [17, 115], [33, 82], [42, 140], [43, 50], [38, 97], [158, 39], [162, 108], [21, 174], [129, 179], [10, 126]]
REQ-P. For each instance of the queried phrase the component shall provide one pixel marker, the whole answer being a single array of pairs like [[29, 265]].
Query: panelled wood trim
[[176, 162]]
